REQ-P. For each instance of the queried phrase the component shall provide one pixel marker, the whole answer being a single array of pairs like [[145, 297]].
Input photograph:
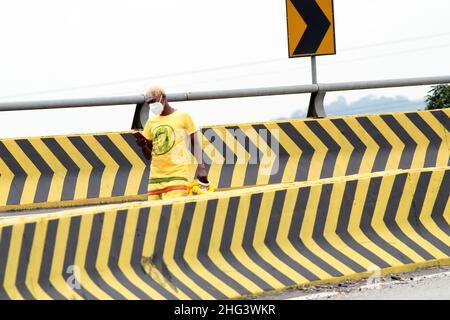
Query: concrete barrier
[[232, 244], [307, 150], [67, 170], [71, 170]]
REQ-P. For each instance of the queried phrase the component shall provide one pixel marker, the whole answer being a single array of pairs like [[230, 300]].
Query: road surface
[[427, 284]]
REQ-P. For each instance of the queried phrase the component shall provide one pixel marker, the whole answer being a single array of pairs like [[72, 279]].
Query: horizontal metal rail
[[222, 94]]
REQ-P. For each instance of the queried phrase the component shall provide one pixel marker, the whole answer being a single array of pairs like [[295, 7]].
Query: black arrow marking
[[317, 26]]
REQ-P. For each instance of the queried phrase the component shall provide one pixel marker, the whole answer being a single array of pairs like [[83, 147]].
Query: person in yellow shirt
[[164, 141]]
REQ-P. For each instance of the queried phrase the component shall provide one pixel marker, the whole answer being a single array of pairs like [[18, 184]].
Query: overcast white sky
[[58, 48]]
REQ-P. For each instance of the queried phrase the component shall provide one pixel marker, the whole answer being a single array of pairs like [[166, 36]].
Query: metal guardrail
[[316, 108]]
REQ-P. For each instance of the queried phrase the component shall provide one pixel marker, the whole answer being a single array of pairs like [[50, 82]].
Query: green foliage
[[438, 97]]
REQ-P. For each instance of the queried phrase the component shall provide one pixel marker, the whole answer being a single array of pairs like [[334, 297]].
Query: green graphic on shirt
[[163, 139]]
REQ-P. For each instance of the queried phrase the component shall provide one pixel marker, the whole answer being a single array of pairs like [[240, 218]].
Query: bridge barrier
[[71, 170], [307, 150], [232, 244], [67, 170]]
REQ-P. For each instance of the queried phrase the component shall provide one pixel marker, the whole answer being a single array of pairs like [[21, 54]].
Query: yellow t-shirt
[[171, 137]]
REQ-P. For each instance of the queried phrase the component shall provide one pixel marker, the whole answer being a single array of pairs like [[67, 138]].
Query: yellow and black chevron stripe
[[306, 150], [234, 243], [70, 169], [64, 170]]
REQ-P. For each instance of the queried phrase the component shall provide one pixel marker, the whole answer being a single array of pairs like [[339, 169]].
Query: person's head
[[156, 98], [156, 94]]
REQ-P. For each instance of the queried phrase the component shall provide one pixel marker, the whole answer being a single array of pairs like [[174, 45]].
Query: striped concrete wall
[[74, 169], [306, 150], [64, 170], [233, 243]]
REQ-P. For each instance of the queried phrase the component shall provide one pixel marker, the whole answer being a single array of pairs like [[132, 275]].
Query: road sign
[[310, 27]]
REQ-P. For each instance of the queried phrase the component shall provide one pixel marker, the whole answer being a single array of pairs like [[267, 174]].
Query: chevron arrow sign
[[310, 27]]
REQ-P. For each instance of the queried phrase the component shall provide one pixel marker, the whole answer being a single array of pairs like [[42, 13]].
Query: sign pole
[[314, 69], [310, 25]]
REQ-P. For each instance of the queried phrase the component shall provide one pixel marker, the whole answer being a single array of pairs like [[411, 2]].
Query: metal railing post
[[316, 107]]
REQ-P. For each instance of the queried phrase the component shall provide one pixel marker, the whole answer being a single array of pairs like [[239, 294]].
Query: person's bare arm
[[147, 150], [146, 146], [201, 171]]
